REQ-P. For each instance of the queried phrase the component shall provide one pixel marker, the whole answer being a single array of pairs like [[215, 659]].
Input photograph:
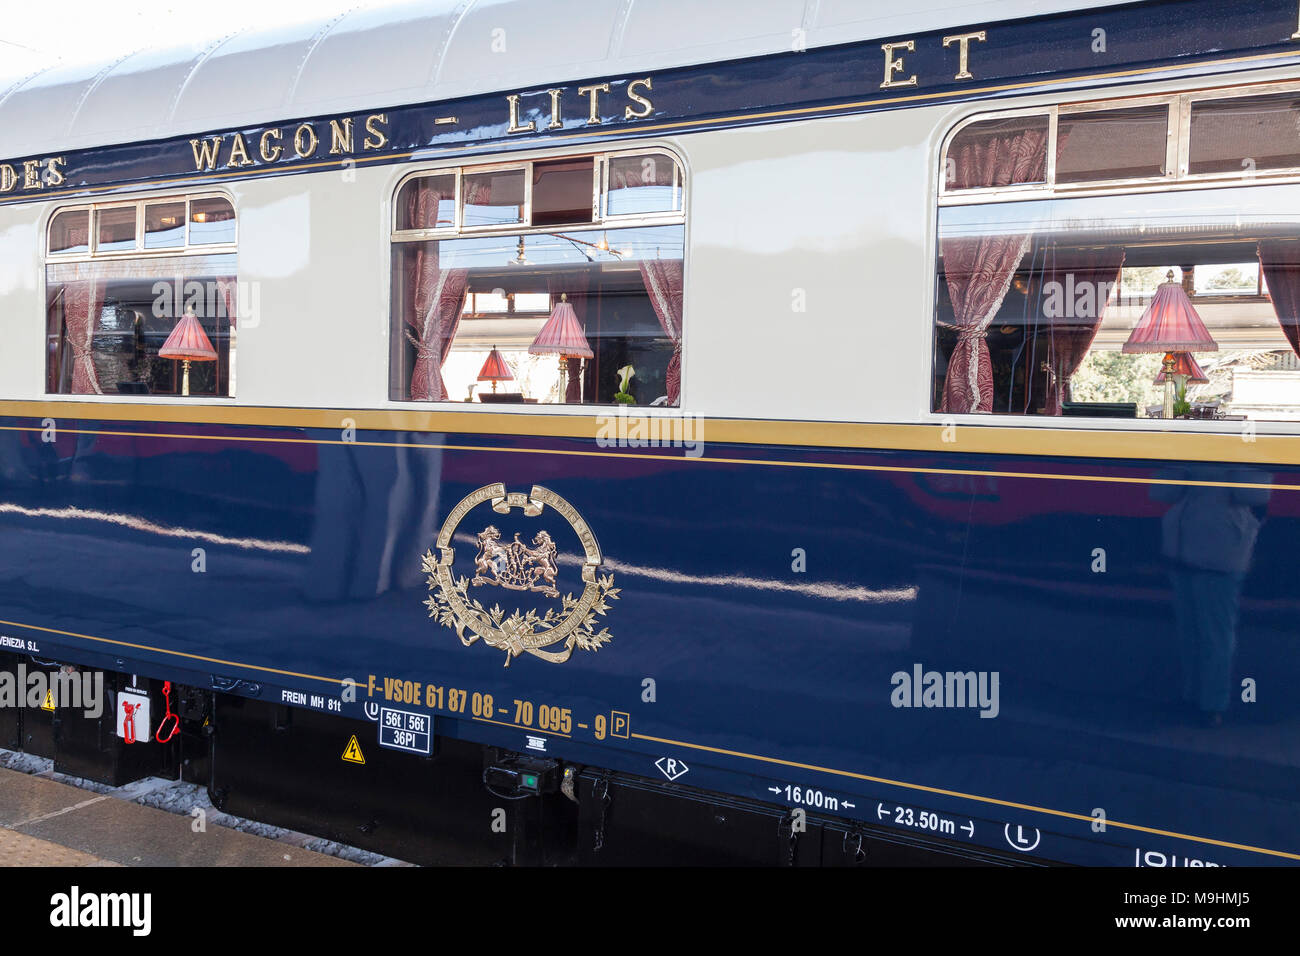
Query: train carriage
[[781, 434]]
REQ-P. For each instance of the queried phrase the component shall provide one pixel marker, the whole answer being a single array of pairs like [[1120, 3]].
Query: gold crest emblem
[[529, 566]]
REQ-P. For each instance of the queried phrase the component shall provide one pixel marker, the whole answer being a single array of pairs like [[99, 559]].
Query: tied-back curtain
[[1083, 278], [663, 283], [1280, 260], [979, 269], [574, 285], [83, 304], [434, 300]]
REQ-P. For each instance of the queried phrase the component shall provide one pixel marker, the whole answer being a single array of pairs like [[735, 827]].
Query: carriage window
[[161, 322], [70, 232], [436, 205], [494, 198], [562, 192], [643, 183], [116, 229], [212, 221], [1245, 133], [1112, 144], [998, 152], [164, 225], [566, 310], [1088, 306]]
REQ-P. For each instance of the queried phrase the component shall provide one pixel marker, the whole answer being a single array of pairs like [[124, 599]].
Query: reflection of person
[[375, 514], [1208, 537]]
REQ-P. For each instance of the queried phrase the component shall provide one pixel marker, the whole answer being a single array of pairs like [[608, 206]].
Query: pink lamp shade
[[1184, 364], [495, 369], [1170, 324], [562, 334], [188, 342]]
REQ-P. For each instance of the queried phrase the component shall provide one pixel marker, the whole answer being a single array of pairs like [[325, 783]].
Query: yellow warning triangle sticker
[[352, 754], [48, 702]]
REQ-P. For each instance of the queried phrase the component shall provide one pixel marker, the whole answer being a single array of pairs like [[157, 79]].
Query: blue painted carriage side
[[1063, 51], [765, 677]]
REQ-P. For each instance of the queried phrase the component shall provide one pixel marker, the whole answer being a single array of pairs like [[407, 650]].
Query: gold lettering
[[963, 54], [8, 178], [239, 152], [205, 152], [32, 174], [555, 122], [340, 136], [646, 106], [56, 175], [514, 127], [593, 110], [272, 154], [380, 140], [298, 147], [893, 66]]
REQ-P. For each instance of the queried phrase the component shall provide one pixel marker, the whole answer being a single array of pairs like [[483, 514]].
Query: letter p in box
[[404, 730]]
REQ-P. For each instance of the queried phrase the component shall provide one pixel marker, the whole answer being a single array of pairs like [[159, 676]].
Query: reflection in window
[[108, 315], [70, 231], [456, 300], [494, 198], [164, 225], [642, 184], [1070, 306], [427, 203], [212, 221], [107, 320], [116, 229]]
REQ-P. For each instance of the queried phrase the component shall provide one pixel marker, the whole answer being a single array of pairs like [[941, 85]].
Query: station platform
[[44, 822]]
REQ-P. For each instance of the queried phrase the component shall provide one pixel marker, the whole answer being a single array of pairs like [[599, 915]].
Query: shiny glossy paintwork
[[762, 673]]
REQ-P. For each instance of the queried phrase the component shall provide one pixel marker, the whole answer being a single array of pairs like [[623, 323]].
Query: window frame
[[189, 250], [1178, 181], [1177, 148], [600, 186], [93, 251], [447, 167]]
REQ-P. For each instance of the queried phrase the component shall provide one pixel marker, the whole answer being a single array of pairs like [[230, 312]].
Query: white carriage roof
[[414, 52]]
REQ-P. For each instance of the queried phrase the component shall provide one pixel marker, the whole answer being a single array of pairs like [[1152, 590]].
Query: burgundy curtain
[[82, 305], [1280, 260], [1070, 334], [663, 283], [979, 269], [228, 286], [434, 299], [574, 285]]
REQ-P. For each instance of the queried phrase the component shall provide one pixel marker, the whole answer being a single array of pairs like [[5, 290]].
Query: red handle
[[176, 721]]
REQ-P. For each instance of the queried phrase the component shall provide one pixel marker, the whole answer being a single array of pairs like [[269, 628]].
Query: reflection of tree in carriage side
[[515, 565]]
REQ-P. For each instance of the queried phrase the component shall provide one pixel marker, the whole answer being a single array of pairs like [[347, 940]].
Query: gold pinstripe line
[[840, 466], [718, 750], [968, 796]]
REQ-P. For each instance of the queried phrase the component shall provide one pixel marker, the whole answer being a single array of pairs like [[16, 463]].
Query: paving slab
[[67, 826]]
